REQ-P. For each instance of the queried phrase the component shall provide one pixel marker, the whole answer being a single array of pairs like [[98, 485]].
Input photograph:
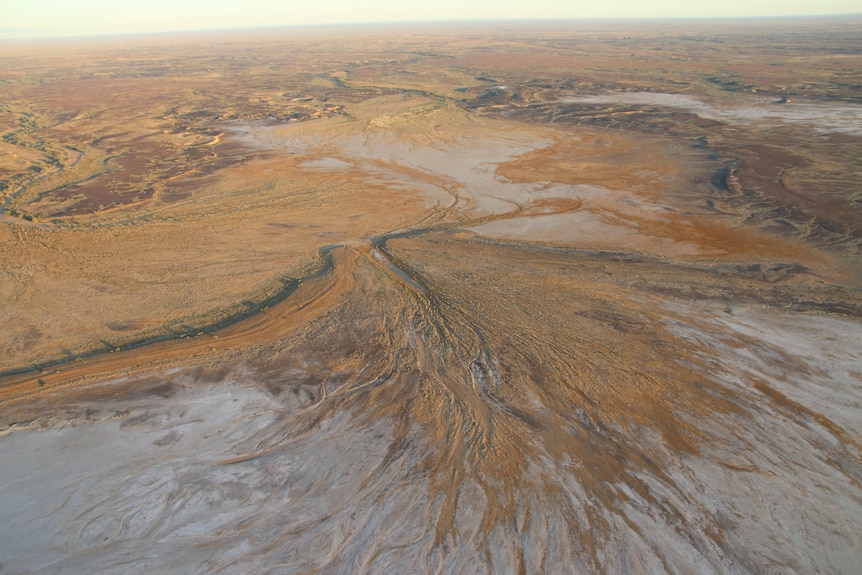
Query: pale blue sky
[[84, 17]]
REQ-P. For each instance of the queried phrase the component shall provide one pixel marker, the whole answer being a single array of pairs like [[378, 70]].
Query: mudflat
[[468, 298]]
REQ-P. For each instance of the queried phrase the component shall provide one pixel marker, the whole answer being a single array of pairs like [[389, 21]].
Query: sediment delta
[[574, 299]]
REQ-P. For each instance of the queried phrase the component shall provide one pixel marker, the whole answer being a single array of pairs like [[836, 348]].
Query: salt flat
[[574, 300]]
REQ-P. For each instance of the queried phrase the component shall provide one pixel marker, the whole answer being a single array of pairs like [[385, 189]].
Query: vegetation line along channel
[[475, 298], [288, 287]]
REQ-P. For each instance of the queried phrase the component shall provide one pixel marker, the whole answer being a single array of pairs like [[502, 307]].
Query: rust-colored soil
[[575, 298]]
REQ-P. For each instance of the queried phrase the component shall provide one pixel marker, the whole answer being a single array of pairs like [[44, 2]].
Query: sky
[[46, 18]]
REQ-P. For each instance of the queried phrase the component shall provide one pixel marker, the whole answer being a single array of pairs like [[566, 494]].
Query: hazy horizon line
[[13, 34]]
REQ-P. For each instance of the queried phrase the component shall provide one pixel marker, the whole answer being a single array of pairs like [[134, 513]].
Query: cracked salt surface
[[94, 488]]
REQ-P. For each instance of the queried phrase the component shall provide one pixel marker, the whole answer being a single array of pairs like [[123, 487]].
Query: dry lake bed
[[485, 298]]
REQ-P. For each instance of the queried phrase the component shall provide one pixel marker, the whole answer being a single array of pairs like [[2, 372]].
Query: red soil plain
[[487, 298]]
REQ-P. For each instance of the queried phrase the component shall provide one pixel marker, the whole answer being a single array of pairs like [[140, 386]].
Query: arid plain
[[497, 298]]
